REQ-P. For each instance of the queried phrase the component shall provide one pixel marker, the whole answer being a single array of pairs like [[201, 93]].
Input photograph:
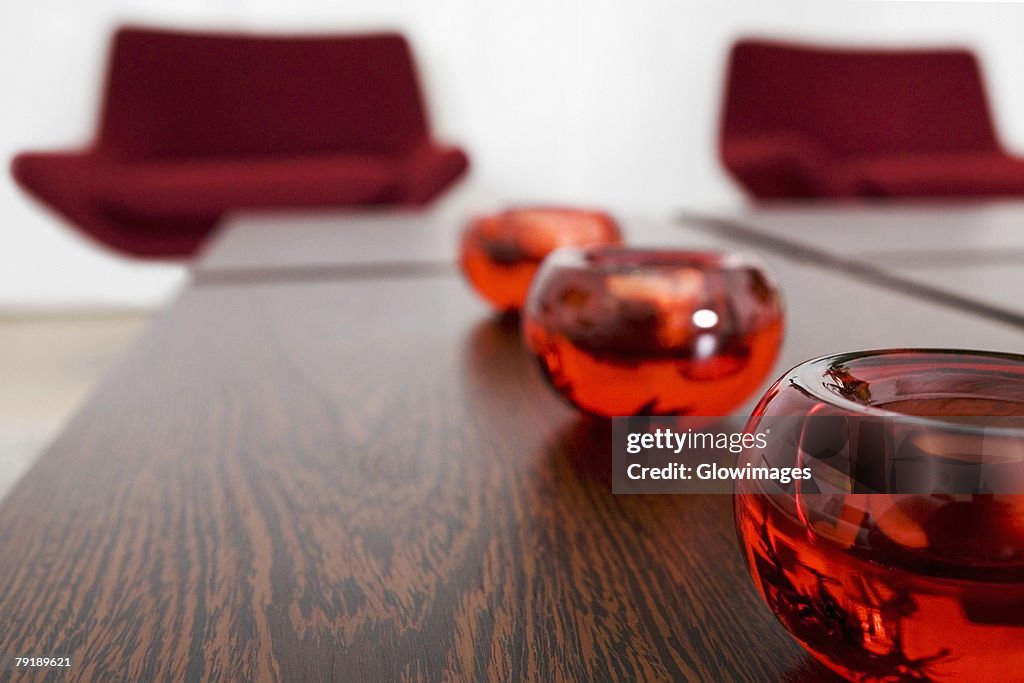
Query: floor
[[48, 365]]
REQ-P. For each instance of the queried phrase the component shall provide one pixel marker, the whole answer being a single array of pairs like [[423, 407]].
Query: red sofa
[[804, 122], [195, 125]]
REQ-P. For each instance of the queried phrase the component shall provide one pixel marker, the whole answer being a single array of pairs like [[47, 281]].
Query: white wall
[[606, 101]]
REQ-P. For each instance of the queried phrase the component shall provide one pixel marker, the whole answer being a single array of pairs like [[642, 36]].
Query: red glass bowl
[[500, 253], [622, 331], [882, 586]]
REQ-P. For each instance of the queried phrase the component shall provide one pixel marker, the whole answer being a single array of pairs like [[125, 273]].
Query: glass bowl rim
[[806, 376]]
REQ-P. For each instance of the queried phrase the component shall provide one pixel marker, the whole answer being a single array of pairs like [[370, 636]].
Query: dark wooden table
[[333, 474]]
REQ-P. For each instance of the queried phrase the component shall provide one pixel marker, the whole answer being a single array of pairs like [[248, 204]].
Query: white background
[[606, 102]]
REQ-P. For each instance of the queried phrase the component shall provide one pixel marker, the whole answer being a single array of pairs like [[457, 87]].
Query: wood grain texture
[[361, 481]]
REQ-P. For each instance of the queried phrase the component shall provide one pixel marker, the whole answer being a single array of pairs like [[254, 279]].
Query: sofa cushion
[[191, 188], [939, 175], [429, 170]]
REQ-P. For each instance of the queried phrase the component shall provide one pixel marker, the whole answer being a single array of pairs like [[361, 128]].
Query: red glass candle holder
[[917, 586], [500, 253], [621, 331]]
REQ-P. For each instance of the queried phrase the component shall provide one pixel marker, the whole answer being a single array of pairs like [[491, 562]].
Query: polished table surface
[[966, 254], [316, 475], [892, 230], [270, 242], [337, 244]]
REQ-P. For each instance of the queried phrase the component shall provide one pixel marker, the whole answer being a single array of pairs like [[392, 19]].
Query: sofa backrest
[[177, 94], [855, 102]]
